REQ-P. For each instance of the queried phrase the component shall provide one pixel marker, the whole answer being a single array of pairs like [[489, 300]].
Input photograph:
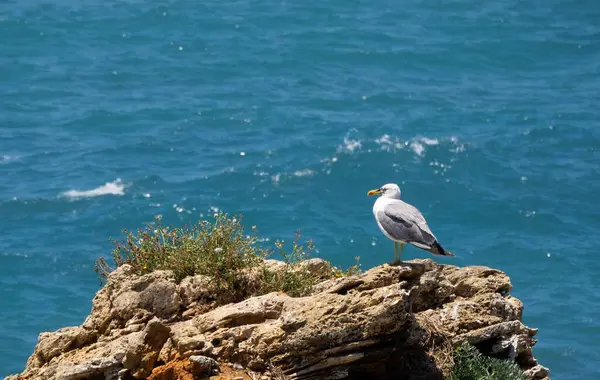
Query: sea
[[287, 112]]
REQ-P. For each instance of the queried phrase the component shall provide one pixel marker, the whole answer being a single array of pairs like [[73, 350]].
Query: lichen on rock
[[388, 322]]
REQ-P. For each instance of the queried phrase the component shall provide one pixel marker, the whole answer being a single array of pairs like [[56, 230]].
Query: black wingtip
[[439, 250]]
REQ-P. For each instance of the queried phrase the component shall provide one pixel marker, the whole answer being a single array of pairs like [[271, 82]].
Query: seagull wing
[[404, 222]]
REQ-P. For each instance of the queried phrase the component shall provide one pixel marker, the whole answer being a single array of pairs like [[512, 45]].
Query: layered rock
[[389, 322]]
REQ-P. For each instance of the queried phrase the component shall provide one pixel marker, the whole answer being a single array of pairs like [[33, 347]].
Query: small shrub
[[352, 270], [293, 279], [221, 250], [470, 364]]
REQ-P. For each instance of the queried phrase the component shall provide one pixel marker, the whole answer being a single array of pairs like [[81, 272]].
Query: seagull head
[[389, 190]]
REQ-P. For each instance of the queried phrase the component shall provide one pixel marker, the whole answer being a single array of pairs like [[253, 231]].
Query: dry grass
[[437, 344], [277, 373]]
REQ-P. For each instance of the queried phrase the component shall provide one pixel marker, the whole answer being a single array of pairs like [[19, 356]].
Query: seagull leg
[[401, 248], [396, 252]]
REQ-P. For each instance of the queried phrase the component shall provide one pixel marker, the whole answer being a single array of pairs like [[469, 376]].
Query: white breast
[[380, 203]]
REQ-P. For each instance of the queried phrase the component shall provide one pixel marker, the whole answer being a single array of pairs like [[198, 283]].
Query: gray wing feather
[[404, 222]]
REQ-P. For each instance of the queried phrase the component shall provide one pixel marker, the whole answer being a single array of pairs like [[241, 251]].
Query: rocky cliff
[[389, 322]]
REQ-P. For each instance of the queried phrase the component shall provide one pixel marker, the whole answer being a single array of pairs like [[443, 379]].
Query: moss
[[223, 251], [470, 364]]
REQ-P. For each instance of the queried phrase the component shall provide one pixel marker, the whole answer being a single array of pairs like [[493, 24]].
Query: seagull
[[403, 223]]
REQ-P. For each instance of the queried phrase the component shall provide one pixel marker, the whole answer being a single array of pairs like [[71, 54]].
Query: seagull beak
[[374, 192]]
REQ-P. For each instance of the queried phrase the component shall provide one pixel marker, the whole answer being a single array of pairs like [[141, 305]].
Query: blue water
[[486, 114]]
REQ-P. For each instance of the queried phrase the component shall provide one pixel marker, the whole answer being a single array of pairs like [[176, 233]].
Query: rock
[[195, 288], [237, 366], [202, 365], [63, 340], [177, 369], [318, 267], [537, 372], [389, 322], [155, 292], [144, 347], [91, 368], [470, 281], [126, 295], [251, 311], [275, 266]]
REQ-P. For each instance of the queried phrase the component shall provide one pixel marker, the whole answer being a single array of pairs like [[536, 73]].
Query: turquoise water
[[485, 113]]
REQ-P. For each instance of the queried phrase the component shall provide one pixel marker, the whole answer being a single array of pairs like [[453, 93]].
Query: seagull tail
[[437, 249]]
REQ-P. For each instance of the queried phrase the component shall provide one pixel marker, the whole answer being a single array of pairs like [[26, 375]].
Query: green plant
[[470, 364], [222, 251], [352, 270], [294, 278]]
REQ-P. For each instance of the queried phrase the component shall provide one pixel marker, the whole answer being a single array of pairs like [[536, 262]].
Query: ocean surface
[[485, 113]]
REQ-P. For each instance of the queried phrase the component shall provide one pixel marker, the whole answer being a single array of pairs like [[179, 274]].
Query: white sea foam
[[527, 213], [458, 147], [277, 178], [14, 254], [6, 159], [388, 143], [428, 141], [329, 160], [350, 145], [384, 140], [109, 188], [303, 173], [418, 144], [417, 147]]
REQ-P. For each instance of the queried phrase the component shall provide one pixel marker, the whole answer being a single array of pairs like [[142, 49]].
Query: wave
[[353, 143], [109, 188], [6, 159]]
